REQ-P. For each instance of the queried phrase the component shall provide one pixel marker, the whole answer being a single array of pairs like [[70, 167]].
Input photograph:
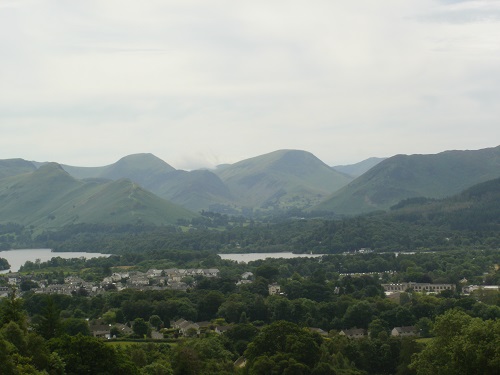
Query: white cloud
[[201, 83]]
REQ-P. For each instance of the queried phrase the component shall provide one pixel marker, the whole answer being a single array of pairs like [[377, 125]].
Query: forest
[[304, 328], [275, 334]]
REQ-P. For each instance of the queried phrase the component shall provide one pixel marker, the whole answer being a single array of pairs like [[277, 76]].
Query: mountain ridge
[[51, 197], [406, 176]]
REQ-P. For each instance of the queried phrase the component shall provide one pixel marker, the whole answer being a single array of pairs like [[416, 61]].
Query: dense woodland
[[51, 333], [420, 240]]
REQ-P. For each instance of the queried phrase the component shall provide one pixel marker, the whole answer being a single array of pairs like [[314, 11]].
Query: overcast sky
[[199, 83]]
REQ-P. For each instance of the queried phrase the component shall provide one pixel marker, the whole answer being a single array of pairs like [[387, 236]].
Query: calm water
[[245, 258], [17, 258]]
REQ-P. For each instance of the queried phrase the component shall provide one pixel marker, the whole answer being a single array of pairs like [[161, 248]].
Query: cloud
[[200, 83]]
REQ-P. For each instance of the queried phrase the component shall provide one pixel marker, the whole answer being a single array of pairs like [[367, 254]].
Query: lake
[[17, 258], [250, 257]]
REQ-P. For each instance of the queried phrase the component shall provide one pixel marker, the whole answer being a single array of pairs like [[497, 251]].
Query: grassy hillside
[[140, 168], [405, 176], [194, 190], [50, 197], [13, 167], [282, 178], [476, 208]]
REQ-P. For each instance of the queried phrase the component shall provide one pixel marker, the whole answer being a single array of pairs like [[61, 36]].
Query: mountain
[[406, 176], [356, 170], [281, 179], [13, 167], [194, 190], [476, 208], [50, 197], [140, 168]]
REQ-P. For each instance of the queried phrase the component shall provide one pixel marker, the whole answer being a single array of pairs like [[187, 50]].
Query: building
[[353, 333], [471, 288], [418, 287], [404, 331], [274, 289]]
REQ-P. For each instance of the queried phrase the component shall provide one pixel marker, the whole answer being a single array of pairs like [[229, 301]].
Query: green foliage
[[283, 341], [141, 328], [4, 264], [462, 345], [42, 198], [85, 354], [406, 176]]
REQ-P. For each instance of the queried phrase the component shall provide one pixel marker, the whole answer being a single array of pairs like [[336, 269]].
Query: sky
[[202, 83]]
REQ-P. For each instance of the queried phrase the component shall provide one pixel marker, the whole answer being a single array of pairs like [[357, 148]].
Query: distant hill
[[284, 178], [476, 208], [50, 197], [356, 170], [406, 176], [194, 190], [139, 168], [13, 167]]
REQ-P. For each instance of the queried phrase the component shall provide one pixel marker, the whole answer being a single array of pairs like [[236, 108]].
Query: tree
[[90, 355], [48, 322], [74, 326], [287, 341], [155, 321], [358, 315], [141, 327], [462, 345], [11, 310]]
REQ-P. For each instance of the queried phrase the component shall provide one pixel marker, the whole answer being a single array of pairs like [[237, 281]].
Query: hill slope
[[405, 176], [194, 190], [50, 197], [13, 167], [284, 178], [139, 168], [476, 208]]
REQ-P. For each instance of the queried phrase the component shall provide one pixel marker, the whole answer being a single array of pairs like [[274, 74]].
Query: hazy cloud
[[201, 83]]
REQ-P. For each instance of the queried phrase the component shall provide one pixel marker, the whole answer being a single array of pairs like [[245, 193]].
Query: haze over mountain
[[195, 190], [357, 169], [405, 176], [284, 178], [476, 208], [12, 167], [50, 197], [140, 168]]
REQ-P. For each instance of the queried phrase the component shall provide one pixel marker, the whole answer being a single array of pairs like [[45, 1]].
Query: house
[[240, 362], [472, 288], [246, 275], [186, 327], [211, 272], [353, 333], [404, 331], [221, 329], [204, 326], [154, 273], [124, 329], [241, 282], [274, 289], [318, 330], [418, 287], [102, 331], [155, 335], [4, 291]]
